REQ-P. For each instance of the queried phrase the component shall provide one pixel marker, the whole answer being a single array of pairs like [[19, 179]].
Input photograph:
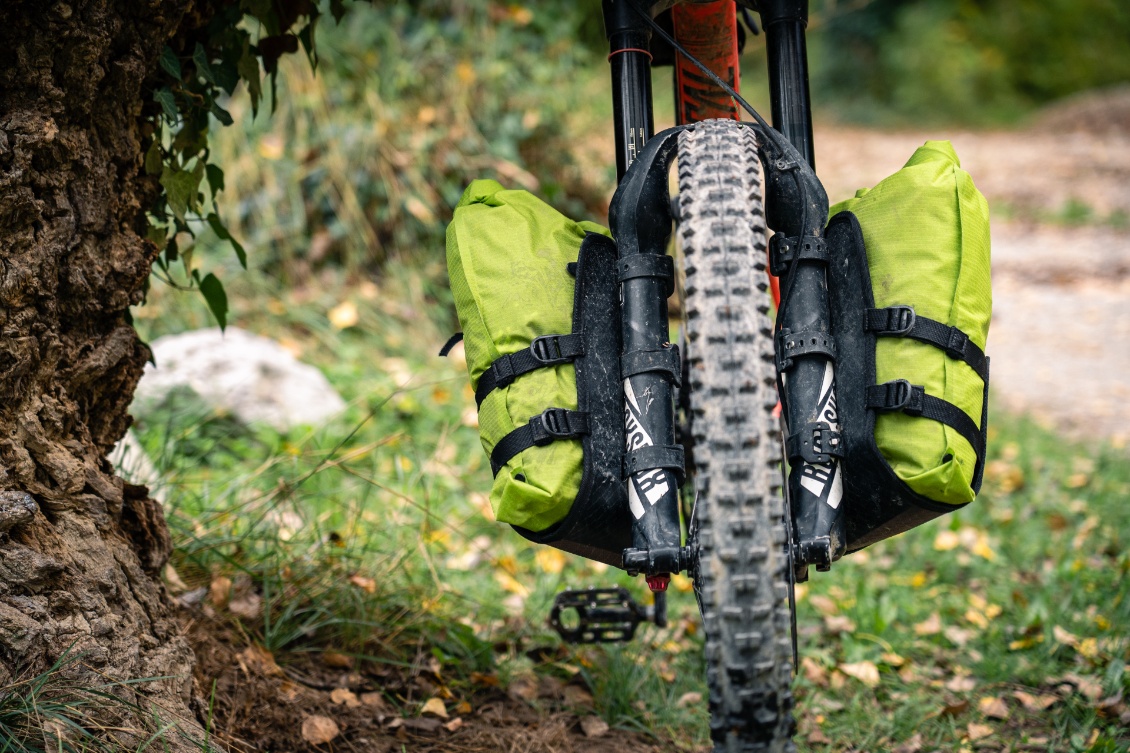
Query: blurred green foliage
[[973, 62], [365, 156]]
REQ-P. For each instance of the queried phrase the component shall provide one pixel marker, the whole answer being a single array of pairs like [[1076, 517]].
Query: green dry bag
[[538, 300], [911, 302]]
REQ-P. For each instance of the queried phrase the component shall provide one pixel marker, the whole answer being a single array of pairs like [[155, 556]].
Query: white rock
[[130, 461], [253, 377]]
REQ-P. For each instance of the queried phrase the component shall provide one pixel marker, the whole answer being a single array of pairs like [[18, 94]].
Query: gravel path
[[1060, 336]]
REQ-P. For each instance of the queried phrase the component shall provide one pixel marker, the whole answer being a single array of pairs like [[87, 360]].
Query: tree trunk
[[80, 551]]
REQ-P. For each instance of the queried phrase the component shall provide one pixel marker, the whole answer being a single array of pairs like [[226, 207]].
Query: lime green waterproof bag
[[911, 303], [538, 300]]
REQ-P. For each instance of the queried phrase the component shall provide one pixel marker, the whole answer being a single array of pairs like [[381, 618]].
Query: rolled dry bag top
[[508, 255], [926, 234]]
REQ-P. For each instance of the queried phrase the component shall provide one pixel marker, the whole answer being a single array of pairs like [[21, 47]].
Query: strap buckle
[[904, 396], [547, 350], [784, 251], [956, 343], [504, 370], [817, 443], [552, 424], [900, 320]]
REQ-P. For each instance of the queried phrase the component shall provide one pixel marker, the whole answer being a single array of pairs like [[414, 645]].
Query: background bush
[[971, 62]]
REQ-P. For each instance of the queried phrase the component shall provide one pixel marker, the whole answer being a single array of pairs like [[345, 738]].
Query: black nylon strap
[[901, 321], [911, 399], [793, 344], [451, 343], [553, 424], [665, 360], [670, 457], [783, 251], [547, 350], [648, 265]]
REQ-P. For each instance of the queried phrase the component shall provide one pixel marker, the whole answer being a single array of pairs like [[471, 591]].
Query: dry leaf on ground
[[593, 726], [913, 745], [961, 684], [958, 636], [336, 660], [453, 725], [368, 585], [814, 672], [978, 731], [893, 660], [993, 707], [344, 315], [817, 737], [575, 696], [435, 707], [486, 680], [249, 607], [825, 605], [1088, 686], [318, 730], [932, 625], [523, 687], [258, 660], [220, 591], [864, 671], [345, 696], [689, 699], [374, 699], [1065, 637], [838, 623], [1034, 702], [946, 540], [953, 709]]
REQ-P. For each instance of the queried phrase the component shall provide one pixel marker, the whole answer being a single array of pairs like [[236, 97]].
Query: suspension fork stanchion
[[629, 55], [784, 22], [815, 476]]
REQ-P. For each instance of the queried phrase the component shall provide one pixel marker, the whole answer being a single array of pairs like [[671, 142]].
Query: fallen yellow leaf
[[961, 684], [946, 540], [550, 560], [864, 671], [932, 625], [993, 707], [345, 697], [1064, 637], [419, 210], [435, 707], [344, 315], [510, 583], [368, 585], [1034, 702], [978, 731], [825, 605]]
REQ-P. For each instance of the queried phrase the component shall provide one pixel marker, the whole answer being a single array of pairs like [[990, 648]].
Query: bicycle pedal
[[602, 615]]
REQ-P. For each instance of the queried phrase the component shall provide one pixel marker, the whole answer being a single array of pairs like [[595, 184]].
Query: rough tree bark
[[80, 551]]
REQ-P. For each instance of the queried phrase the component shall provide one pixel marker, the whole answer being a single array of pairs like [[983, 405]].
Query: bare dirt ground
[[1060, 335]]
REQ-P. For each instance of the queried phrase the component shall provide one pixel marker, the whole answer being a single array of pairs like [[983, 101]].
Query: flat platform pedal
[[602, 615]]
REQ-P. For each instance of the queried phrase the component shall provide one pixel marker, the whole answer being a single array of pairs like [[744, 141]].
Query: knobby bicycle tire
[[738, 528]]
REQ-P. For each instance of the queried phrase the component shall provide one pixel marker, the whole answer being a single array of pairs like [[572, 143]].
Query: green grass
[[59, 711]]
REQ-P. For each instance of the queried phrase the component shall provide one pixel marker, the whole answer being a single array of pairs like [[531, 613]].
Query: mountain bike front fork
[[640, 219]]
